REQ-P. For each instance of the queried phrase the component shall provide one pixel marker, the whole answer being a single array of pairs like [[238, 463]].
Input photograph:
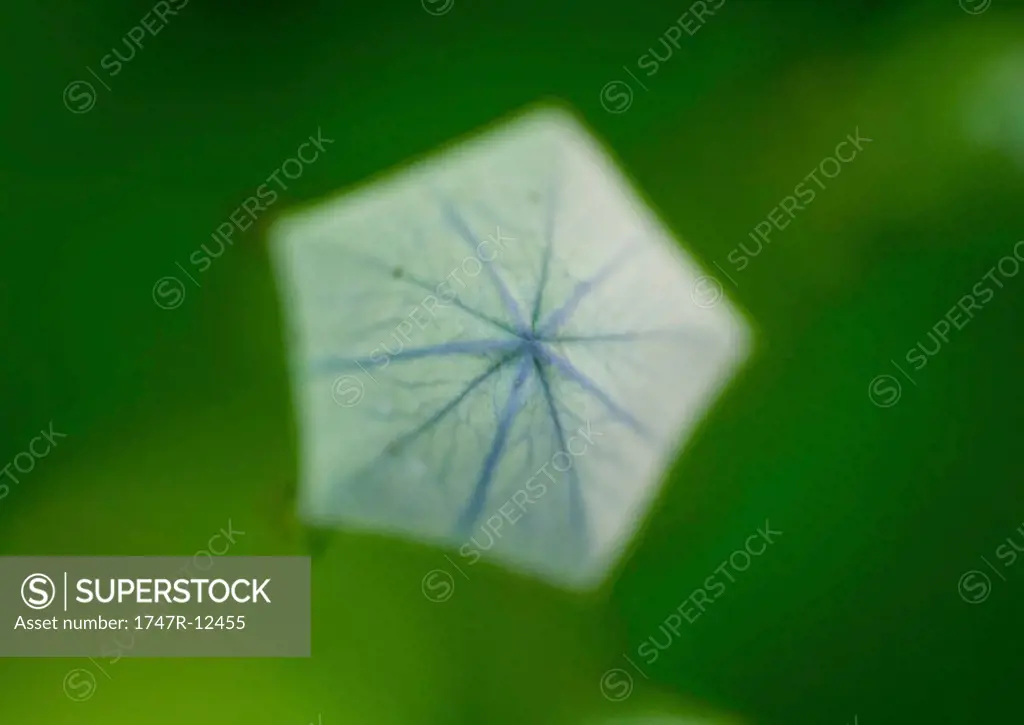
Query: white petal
[[427, 405]]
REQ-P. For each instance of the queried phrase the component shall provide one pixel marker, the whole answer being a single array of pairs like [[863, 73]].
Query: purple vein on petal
[[515, 403], [435, 418], [550, 207], [694, 335], [423, 284], [447, 349], [560, 316], [450, 405], [568, 370], [577, 512], [453, 217]]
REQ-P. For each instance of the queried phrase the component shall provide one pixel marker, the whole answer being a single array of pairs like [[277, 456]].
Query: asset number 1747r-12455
[[207, 621]]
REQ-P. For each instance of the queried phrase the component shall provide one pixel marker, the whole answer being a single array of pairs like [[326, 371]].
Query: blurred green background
[[179, 420]]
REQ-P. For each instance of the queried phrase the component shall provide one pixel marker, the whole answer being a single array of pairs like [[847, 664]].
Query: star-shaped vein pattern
[[498, 351]]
